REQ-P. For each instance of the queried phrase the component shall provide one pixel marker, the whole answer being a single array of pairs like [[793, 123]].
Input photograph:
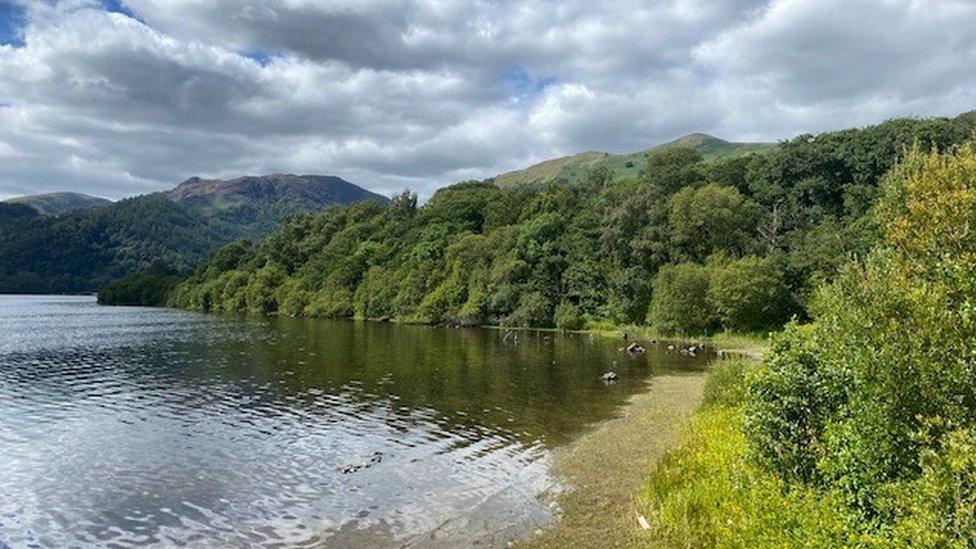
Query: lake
[[135, 426]]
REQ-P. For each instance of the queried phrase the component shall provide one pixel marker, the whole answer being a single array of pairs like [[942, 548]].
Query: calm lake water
[[135, 426]]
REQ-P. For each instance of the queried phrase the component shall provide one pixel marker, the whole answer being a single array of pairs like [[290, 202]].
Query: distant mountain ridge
[[59, 203], [79, 251], [575, 167], [322, 189], [258, 204]]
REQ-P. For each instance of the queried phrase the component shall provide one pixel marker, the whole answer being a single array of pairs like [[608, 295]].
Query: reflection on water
[[136, 426]]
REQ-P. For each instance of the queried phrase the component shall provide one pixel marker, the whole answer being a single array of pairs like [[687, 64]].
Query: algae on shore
[[606, 467]]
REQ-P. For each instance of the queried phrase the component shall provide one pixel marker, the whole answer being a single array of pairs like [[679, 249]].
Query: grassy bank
[[710, 491], [706, 492]]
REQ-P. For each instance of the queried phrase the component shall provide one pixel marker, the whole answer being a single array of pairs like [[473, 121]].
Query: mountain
[[81, 251], [575, 167], [15, 213], [59, 203], [256, 205]]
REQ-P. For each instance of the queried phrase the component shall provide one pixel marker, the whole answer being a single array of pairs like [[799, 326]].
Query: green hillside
[[59, 203], [736, 242], [81, 251], [575, 167], [256, 205]]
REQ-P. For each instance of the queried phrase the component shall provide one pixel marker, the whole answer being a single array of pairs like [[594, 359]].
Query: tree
[[749, 294], [679, 300], [711, 219], [673, 168], [894, 339]]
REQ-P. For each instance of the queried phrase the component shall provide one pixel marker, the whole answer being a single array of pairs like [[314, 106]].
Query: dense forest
[[857, 430], [144, 287], [81, 251], [692, 246]]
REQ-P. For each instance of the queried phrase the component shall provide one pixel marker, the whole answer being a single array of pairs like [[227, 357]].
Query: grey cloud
[[413, 93]]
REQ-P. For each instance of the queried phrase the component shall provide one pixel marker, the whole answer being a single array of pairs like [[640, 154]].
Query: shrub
[[749, 294], [879, 383], [533, 310], [791, 396], [939, 508], [707, 493], [726, 382], [679, 300], [568, 316]]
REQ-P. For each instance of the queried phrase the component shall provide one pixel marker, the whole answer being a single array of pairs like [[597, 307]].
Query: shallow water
[[136, 426]]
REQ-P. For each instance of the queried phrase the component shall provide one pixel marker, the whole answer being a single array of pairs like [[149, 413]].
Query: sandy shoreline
[[606, 467]]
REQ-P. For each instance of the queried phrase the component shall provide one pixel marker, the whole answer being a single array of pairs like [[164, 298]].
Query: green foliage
[[726, 383], [857, 429], [938, 509], [790, 400], [862, 400], [711, 219], [149, 287], [13, 214], [707, 493], [476, 253], [679, 303], [749, 294], [673, 168], [533, 310], [568, 317], [81, 251]]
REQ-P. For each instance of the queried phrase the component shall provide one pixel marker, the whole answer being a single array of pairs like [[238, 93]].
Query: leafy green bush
[[533, 310], [749, 294], [885, 374], [726, 382], [707, 493], [939, 508], [791, 397], [568, 316], [679, 300]]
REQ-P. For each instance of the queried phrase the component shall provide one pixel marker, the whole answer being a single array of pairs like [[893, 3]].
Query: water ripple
[[136, 427]]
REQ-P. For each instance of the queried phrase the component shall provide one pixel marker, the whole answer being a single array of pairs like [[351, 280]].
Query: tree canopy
[[762, 230]]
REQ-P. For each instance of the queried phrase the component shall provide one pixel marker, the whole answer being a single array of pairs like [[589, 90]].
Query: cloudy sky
[[121, 97]]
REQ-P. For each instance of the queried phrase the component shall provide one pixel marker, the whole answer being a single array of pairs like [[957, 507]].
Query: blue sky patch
[[118, 6], [524, 83], [12, 21], [261, 56]]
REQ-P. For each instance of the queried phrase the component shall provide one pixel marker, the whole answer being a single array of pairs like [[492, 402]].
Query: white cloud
[[421, 93]]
